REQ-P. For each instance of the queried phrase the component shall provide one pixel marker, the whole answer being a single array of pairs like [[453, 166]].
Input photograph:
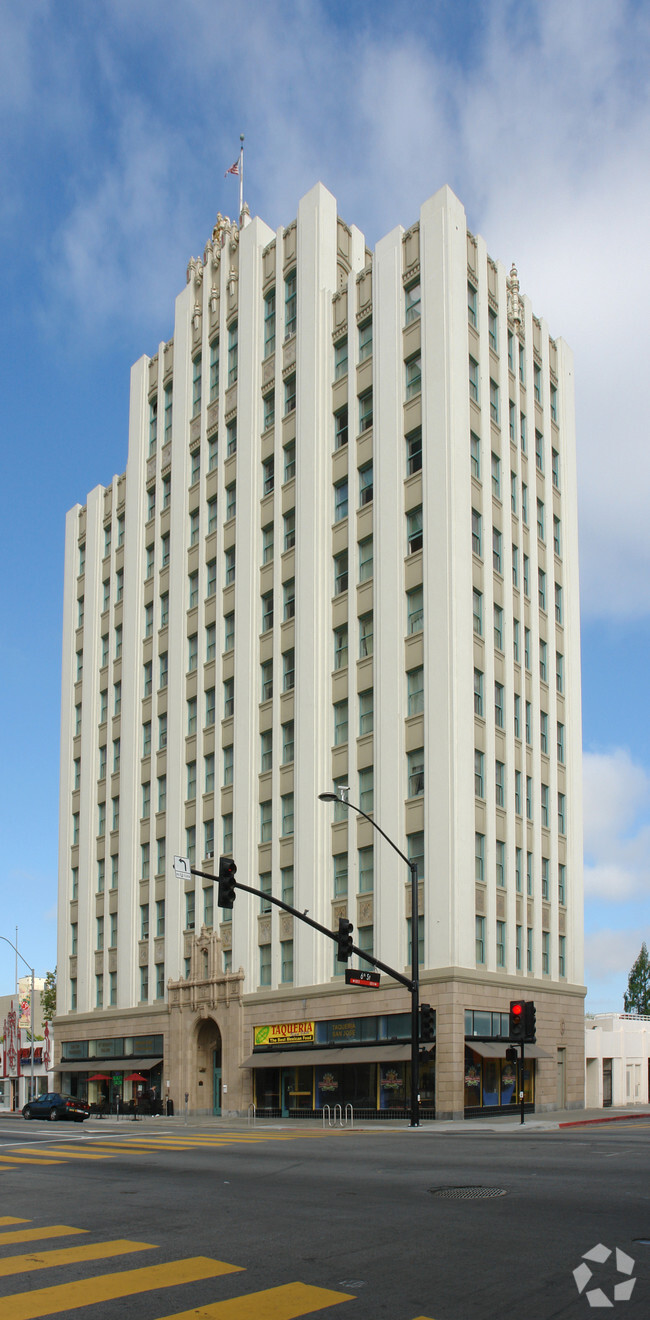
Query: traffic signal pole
[[521, 1083]]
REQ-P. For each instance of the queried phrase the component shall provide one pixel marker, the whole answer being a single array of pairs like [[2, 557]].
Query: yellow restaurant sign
[[278, 1033]]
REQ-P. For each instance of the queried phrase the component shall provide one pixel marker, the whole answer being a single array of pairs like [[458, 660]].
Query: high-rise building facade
[[343, 553]]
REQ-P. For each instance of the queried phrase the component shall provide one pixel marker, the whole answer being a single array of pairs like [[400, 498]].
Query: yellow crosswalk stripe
[[106, 1287], [284, 1303], [22, 1159], [33, 1234], [11, 1219], [70, 1154], [44, 1260]]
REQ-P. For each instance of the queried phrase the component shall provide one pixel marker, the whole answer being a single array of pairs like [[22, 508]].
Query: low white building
[[617, 1060]]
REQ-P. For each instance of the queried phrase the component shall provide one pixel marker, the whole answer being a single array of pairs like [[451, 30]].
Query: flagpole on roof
[[241, 176]]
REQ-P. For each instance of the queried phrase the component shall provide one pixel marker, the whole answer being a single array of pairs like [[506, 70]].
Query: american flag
[[234, 169]]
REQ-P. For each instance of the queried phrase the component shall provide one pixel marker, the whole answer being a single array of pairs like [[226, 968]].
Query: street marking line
[[107, 1287], [22, 1159], [63, 1150], [11, 1219], [44, 1260], [33, 1234], [287, 1302]]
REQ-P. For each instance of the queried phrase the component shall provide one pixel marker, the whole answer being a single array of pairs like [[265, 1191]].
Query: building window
[[290, 529], [267, 611], [412, 302], [365, 635], [498, 705], [515, 640], [341, 359], [414, 530], [413, 376], [268, 403], [340, 874], [228, 766], [340, 723], [290, 394], [518, 876], [529, 798], [496, 550], [196, 385], [480, 940], [365, 341], [476, 532], [543, 661], [496, 476], [415, 686], [545, 877], [267, 679], [560, 743], [478, 692], [414, 451], [232, 353], [366, 712], [226, 832], [472, 314], [228, 698], [561, 813], [518, 792], [164, 671], [558, 603], [290, 305], [269, 323], [287, 742], [341, 646], [415, 771], [365, 410], [191, 715], [501, 943], [415, 610], [286, 961], [365, 484], [527, 649], [494, 402], [365, 559], [546, 953], [524, 503], [561, 883], [498, 627], [541, 588], [479, 774], [230, 565], [231, 500], [529, 736], [286, 802], [473, 380], [267, 543], [366, 789], [268, 476], [340, 573], [289, 592], [153, 426], [479, 858], [475, 455], [289, 460], [515, 566], [499, 783], [288, 670], [543, 732], [477, 608], [265, 964], [341, 428], [341, 500], [539, 451], [500, 863]]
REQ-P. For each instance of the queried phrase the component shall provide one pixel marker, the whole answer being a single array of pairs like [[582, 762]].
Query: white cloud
[[616, 827], [609, 956], [541, 132]]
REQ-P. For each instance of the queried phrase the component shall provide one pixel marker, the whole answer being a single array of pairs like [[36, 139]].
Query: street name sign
[[368, 979], [182, 868]]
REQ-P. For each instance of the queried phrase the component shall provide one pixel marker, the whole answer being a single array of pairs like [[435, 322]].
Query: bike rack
[[252, 1112], [336, 1117], [348, 1107]]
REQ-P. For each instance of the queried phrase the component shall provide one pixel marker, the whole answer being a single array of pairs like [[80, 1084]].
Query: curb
[[614, 1118]]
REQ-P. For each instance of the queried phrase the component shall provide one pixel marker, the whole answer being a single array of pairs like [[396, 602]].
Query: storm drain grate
[[467, 1193]]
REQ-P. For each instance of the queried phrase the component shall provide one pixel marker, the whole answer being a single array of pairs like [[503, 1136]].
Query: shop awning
[[310, 1058], [496, 1049], [107, 1065]]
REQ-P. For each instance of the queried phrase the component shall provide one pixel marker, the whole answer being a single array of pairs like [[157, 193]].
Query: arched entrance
[[208, 1064]]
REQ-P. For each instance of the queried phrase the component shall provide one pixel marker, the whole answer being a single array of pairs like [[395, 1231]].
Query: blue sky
[[117, 122]]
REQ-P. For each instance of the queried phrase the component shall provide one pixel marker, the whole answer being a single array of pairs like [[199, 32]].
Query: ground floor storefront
[[211, 1049]]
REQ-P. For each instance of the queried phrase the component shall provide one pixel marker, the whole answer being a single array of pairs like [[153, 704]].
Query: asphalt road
[[220, 1222]]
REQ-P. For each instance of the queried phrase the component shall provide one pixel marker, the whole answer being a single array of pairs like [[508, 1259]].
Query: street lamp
[[31, 1010], [415, 990]]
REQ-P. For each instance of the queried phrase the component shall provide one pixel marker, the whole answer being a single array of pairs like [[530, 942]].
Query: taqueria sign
[[285, 1033]]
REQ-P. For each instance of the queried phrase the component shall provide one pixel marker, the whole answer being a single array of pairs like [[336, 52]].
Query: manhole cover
[[467, 1193]]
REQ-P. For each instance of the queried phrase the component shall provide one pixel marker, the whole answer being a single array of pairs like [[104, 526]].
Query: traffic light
[[227, 882], [344, 940], [517, 1019], [529, 1022], [511, 1054], [427, 1022]]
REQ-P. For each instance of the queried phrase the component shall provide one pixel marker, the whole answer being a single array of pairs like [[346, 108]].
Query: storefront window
[[490, 1082]]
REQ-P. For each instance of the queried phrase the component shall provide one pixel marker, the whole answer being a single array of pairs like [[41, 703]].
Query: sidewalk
[[554, 1119]]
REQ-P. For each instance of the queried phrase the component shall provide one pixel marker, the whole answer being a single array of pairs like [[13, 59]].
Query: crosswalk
[[54, 1151], [287, 1301]]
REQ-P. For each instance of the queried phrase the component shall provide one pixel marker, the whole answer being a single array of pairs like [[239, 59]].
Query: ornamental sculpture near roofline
[[514, 301]]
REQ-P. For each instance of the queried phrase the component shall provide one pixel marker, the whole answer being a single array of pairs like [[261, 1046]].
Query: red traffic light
[[517, 1009], [517, 1019]]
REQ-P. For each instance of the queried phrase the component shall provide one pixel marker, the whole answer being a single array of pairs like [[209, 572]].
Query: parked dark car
[[54, 1106]]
